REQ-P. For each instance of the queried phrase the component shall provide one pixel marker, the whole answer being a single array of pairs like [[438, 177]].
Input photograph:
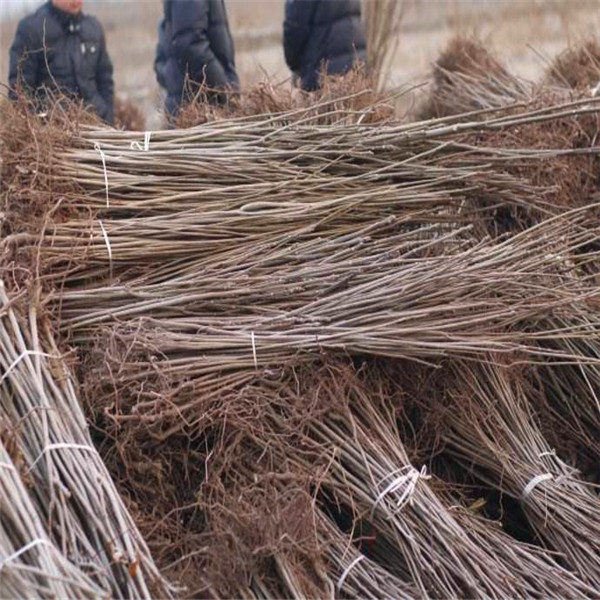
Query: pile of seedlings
[[320, 352]]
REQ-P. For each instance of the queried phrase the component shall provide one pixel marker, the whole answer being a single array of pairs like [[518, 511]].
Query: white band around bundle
[[146, 146], [254, 350], [103, 158], [107, 242], [20, 358], [24, 549], [52, 447], [345, 574], [408, 479], [535, 481]]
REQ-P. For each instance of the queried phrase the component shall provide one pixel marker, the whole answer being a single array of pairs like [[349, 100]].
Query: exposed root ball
[[467, 77], [577, 68], [29, 146], [353, 94], [468, 57]]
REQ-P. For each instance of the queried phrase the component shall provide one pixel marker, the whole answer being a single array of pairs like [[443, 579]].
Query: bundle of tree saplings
[[31, 564], [210, 332], [569, 405], [413, 519], [492, 426], [351, 98], [185, 195], [65, 529]]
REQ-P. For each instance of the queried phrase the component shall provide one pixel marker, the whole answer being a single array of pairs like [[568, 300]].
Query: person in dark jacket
[[160, 58], [322, 35], [58, 49], [195, 49]]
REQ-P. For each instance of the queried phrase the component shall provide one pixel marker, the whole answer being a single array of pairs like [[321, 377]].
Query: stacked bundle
[[63, 525]]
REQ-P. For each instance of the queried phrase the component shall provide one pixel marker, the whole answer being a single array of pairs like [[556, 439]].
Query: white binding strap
[[20, 358], [107, 242], [254, 350], [52, 447], [407, 481], [137, 146], [535, 481], [24, 549], [103, 157]]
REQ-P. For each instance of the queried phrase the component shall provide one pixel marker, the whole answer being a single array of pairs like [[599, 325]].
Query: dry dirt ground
[[526, 33]]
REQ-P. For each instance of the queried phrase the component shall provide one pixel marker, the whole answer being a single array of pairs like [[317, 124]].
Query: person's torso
[[71, 49], [336, 37], [217, 33]]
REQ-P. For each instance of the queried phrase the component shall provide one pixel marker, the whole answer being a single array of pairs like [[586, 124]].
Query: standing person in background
[[198, 51], [160, 58], [58, 49], [322, 35]]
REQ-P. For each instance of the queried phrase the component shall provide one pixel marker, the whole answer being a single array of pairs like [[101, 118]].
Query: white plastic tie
[[103, 157], [254, 350], [137, 146], [26, 548], [349, 568], [535, 481], [107, 242], [407, 482], [16, 362], [53, 447]]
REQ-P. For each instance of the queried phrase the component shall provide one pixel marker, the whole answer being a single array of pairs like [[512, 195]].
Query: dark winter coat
[[322, 33], [198, 50], [55, 51], [160, 59]]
